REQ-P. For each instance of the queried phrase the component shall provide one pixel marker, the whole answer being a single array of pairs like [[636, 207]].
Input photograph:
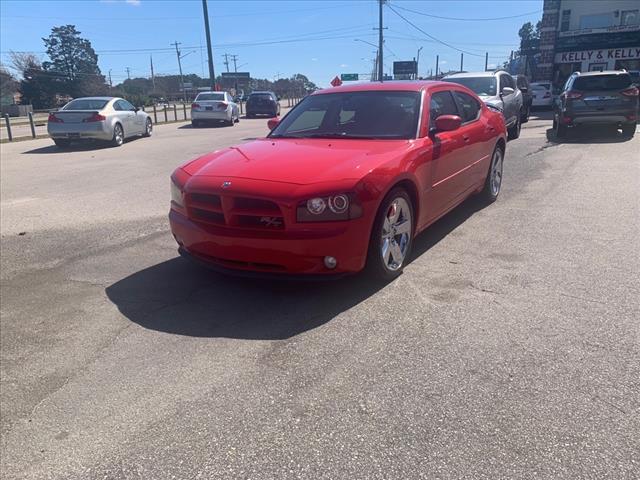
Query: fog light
[[330, 262]]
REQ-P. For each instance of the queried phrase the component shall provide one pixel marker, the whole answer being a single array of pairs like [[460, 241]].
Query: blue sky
[[271, 38]]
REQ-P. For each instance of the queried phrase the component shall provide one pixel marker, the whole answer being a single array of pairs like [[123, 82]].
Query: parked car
[[214, 107], [98, 118], [597, 98], [498, 89], [263, 103], [345, 180], [635, 77], [541, 95], [522, 82]]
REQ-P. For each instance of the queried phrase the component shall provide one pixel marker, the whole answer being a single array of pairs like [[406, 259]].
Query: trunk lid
[[74, 116]]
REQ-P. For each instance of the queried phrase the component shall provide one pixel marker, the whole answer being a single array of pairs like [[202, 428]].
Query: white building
[[582, 35]]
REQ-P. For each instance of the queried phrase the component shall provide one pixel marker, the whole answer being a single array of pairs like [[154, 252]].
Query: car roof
[[474, 74], [95, 98], [390, 85], [604, 72]]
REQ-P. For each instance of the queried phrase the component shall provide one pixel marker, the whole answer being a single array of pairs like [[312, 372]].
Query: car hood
[[298, 161]]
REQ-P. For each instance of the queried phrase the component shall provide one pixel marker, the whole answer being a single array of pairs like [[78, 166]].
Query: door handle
[[465, 138]]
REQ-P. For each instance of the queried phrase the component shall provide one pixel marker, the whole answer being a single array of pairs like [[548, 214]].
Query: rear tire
[[195, 123], [493, 182], [148, 129], [514, 132], [118, 136], [524, 117], [392, 236], [559, 129], [61, 142], [629, 129]]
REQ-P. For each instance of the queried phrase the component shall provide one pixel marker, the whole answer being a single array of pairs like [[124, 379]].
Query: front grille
[[229, 210]]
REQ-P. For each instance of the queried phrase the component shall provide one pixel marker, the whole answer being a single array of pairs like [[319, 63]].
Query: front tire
[[148, 129], [118, 135], [392, 236], [493, 182]]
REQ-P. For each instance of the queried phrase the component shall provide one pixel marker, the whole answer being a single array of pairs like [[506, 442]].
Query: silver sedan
[[99, 118]]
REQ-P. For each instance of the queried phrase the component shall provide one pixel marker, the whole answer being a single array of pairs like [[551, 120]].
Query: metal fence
[[34, 125]]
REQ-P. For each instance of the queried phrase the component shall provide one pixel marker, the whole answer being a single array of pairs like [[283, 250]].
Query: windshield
[[262, 96], [483, 86], [211, 96], [541, 86], [85, 104], [372, 114], [602, 82]]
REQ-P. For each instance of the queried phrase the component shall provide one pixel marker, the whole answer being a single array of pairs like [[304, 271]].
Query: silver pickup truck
[[499, 90]]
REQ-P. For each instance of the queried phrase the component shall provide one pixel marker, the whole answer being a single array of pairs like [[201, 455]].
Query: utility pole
[[128, 74], [462, 62], [226, 61], [153, 77], [184, 92], [437, 61], [380, 44], [235, 62], [205, 12], [110, 82], [486, 61], [418, 62]]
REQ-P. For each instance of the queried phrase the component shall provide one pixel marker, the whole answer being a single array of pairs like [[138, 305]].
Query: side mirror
[[524, 89], [507, 91], [273, 123], [136, 109], [447, 123]]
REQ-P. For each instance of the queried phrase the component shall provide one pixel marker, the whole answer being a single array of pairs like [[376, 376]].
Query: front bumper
[[286, 253]]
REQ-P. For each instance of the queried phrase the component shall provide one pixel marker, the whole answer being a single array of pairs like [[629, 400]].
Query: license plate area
[[73, 135], [208, 108]]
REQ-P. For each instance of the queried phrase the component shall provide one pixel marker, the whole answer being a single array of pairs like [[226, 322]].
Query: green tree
[[74, 62], [8, 86], [36, 86]]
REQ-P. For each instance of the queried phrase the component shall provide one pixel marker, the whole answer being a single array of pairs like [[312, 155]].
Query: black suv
[[263, 103], [592, 98]]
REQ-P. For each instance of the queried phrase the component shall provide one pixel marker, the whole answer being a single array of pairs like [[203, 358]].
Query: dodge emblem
[[226, 184]]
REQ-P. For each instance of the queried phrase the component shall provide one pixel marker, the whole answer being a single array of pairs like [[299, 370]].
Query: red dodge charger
[[344, 181]]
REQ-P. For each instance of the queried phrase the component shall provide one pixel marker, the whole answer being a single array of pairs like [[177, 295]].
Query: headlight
[[341, 207], [176, 195]]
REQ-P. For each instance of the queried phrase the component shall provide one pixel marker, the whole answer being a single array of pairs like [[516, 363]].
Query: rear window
[[541, 86], [483, 86], [85, 104], [602, 82], [264, 96], [219, 97]]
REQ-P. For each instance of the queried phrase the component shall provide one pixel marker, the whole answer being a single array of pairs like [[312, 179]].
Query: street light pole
[[380, 40], [212, 77]]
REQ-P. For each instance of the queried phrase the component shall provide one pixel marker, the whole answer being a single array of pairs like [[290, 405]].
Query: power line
[[431, 36], [467, 19]]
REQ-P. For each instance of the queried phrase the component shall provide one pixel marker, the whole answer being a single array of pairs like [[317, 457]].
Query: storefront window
[[630, 17], [628, 65], [600, 20]]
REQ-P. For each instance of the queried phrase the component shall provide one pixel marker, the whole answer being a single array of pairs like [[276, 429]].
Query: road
[[509, 348]]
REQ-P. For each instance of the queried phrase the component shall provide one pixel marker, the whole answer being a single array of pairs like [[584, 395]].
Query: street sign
[[239, 80], [405, 68], [348, 77], [336, 82]]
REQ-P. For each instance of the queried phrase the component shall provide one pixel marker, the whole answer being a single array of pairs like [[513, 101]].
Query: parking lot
[[508, 348]]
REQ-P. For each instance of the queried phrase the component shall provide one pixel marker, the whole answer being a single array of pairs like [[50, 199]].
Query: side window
[[442, 103], [506, 80], [118, 106], [468, 106], [127, 106]]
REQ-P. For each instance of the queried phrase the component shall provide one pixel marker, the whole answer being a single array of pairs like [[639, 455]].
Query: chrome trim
[[420, 113]]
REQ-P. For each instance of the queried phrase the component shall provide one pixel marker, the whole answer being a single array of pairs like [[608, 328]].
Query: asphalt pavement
[[508, 349]]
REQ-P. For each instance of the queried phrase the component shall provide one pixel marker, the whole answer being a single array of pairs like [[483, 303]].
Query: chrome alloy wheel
[[496, 171], [118, 135], [396, 234], [149, 129]]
